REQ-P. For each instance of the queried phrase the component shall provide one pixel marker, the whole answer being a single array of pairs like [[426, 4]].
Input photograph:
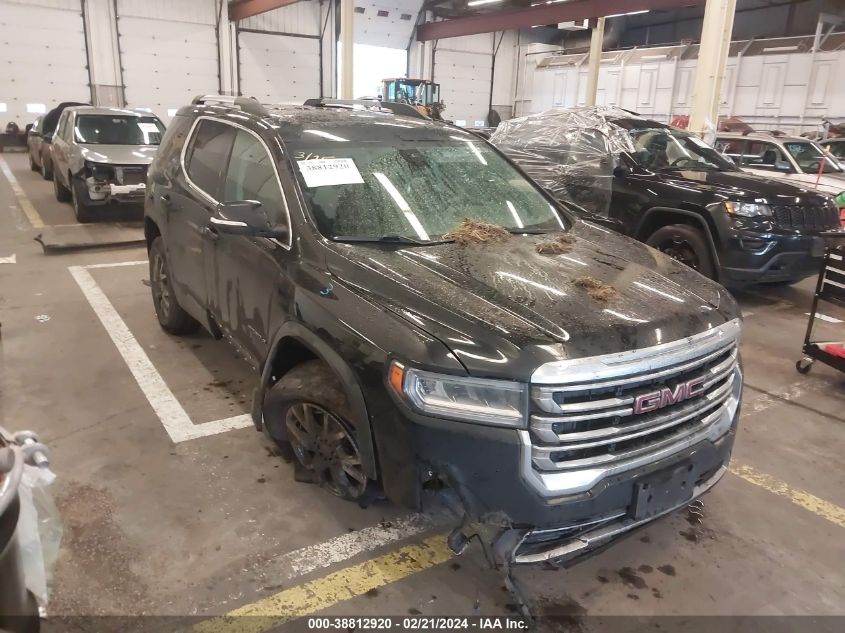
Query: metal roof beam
[[539, 15], [240, 9]]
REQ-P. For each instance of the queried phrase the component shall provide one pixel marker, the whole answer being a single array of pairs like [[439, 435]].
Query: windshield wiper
[[533, 231], [387, 239]]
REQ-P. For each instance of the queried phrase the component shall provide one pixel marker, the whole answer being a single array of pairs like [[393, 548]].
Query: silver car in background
[[101, 155]]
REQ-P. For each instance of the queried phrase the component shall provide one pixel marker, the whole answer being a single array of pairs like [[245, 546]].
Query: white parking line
[[11, 259], [172, 414], [335, 550], [824, 317], [23, 201]]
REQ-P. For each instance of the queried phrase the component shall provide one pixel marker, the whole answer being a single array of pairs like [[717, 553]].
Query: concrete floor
[[207, 525]]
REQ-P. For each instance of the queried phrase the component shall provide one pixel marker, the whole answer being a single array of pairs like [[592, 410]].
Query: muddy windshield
[[809, 157], [99, 129], [417, 190], [663, 149]]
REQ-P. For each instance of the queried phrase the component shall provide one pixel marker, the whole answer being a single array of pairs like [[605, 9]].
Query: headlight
[[493, 402], [747, 209], [99, 171]]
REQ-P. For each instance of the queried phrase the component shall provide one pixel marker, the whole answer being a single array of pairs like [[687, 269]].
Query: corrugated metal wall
[[168, 52], [775, 84], [42, 58]]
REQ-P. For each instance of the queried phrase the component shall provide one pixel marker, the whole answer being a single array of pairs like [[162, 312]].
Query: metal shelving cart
[[830, 290]]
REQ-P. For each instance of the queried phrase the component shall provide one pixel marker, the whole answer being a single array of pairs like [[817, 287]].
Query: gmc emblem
[[658, 399]]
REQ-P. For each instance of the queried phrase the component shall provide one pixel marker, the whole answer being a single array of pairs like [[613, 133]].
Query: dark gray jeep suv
[[423, 316]]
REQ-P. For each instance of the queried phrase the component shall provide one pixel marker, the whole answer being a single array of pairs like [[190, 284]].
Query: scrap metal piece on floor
[[57, 239]]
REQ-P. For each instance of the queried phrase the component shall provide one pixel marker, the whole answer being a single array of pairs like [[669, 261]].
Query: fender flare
[[354, 393], [697, 217]]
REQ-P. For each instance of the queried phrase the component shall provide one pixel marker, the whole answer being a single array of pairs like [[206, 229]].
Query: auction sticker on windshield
[[322, 172]]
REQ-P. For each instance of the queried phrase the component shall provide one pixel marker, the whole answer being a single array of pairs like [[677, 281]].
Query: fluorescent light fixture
[[475, 3], [143, 109], [624, 316], [781, 49], [400, 201], [539, 286], [661, 56], [326, 135], [4, 107], [36, 108], [475, 151], [461, 122], [616, 15], [515, 215]]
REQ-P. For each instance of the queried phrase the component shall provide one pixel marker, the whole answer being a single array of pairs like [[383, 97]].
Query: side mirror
[[783, 166], [245, 217], [621, 171]]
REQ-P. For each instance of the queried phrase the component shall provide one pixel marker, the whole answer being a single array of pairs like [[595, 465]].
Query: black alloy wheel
[[325, 447]]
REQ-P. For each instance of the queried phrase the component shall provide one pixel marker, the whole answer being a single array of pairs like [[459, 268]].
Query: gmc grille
[[808, 218], [583, 424]]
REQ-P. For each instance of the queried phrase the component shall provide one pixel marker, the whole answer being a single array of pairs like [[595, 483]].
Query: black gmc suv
[[566, 383], [666, 187]]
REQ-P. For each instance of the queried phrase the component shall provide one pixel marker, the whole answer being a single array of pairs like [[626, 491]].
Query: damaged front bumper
[[106, 183], [521, 521], [533, 547], [105, 192]]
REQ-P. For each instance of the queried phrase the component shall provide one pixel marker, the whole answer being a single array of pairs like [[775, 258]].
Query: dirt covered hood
[[504, 309]]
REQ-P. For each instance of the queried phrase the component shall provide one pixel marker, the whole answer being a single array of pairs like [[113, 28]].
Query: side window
[[60, 127], [730, 147], [251, 176], [208, 154], [762, 155]]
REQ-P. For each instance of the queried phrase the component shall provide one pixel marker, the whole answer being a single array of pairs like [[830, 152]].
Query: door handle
[[211, 233]]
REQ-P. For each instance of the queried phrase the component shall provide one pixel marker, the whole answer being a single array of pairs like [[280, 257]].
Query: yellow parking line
[[329, 590], [29, 210], [816, 505]]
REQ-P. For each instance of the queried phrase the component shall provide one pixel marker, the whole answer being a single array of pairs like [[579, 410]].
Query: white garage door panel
[[279, 68], [464, 80], [42, 59], [166, 64]]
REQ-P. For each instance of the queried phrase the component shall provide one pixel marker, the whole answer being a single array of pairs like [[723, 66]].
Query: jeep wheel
[[62, 192], [306, 413], [686, 244], [81, 210], [171, 316]]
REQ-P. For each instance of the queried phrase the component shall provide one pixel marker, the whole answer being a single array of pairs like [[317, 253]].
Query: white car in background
[[790, 158]]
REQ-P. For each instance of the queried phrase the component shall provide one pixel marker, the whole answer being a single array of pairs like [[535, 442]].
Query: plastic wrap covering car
[[569, 152]]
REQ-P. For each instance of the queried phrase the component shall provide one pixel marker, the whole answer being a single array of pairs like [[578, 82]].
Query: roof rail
[[247, 104], [402, 109]]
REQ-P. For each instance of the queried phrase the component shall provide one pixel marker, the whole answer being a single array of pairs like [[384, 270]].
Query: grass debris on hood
[[557, 245], [598, 290], [476, 232]]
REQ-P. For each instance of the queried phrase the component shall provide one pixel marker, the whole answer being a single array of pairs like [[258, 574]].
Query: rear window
[[107, 129]]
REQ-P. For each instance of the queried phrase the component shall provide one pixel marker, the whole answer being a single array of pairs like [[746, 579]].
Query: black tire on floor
[[62, 192], [79, 199], [172, 318], [46, 168], [687, 244], [327, 454], [32, 165]]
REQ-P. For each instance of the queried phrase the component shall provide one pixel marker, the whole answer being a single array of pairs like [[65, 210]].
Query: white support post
[[596, 42], [347, 18], [103, 53], [712, 60], [228, 55]]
